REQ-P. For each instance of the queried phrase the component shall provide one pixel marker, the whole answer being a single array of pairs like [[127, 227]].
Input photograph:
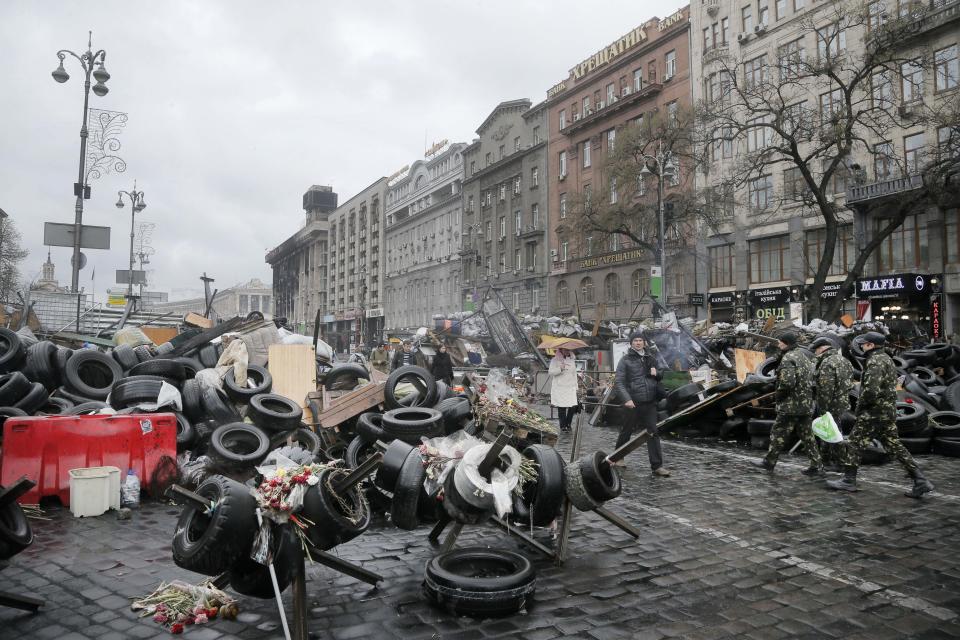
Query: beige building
[[238, 300]]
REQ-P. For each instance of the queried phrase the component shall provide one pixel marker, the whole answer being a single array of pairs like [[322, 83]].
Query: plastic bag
[[452, 448], [825, 428], [501, 483], [193, 472], [234, 355], [133, 336]]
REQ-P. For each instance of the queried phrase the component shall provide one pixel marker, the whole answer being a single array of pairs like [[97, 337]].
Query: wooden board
[[197, 320], [159, 335], [294, 371], [352, 404], [747, 362]]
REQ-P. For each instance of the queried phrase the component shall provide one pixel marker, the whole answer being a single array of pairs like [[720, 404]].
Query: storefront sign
[[666, 23], [435, 148], [609, 53], [770, 302], [721, 299], [830, 290], [696, 299], [375, 313], [611, 258], [555, 89], [893, 286], [936, 317]]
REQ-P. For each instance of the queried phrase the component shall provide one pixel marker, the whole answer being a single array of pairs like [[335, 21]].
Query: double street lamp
[[88, 60], [662, 166], [137, 204]]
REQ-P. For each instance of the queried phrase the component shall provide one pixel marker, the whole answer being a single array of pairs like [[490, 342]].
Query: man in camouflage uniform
[[833, 381], [794, 407], [877, 418]]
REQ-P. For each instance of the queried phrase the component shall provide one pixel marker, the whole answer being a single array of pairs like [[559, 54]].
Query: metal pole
[[663, 257], [81, 178], [133, 216]]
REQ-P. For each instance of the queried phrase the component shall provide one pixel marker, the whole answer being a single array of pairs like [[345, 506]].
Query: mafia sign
[[894, 286]]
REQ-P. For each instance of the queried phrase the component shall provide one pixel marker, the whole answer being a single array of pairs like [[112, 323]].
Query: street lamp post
[[663, 166], [87, 60], [137, 204]]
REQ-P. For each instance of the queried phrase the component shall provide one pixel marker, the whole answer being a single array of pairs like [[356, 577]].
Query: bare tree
[[816, 120], [12, 254]]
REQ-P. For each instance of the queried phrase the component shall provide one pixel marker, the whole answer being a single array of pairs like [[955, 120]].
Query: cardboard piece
[[747, 362], [294, 371], [197, 320], [846, 320], [159, 335]]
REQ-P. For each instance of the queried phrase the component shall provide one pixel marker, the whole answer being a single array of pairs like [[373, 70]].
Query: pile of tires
[[945, 426]]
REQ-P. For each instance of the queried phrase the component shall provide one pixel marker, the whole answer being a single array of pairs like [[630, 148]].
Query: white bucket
[[94, 490]]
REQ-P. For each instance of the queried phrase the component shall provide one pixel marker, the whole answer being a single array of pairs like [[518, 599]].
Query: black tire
[[926, 375], [125, 356], [55, 407], [130, 392], [186, 434], [34, 400], [758, 427], [15, 531], [190, 366], [41, 365], [455, 412], [357, 451], [422, 379], [13, 353], [411, 423], [733, 428], [208, 356], [274, 412], [407, 491], [952, 396], [917, 446], [85, 408], [721, 387], [543, 498], [683, 396], [238, 445], [903, 364], [263, 382], [335, 521], [335, 451], [60, 360], [911, 418], [600, 478], [370, 427], [345, 376], [760, 442], [949, 447], [393, 459], [252, 579], [145, 352], [768, 369], [946, 424], [91, 374], [13, 387], [457, 507], [161, 367], [308, 440], [293, 453], [191, 400], [208, 542], [480, 582], [921, 356], [217, 406], [63, 392]]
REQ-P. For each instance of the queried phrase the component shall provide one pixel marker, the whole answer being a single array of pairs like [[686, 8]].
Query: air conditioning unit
[[601, 105], [613, 99], [562, 177], [502, 238], [576, 117], [906, 110], [743, 37], [760, 29], [625, 92], [530, 269], [554, 254], [667, 77]]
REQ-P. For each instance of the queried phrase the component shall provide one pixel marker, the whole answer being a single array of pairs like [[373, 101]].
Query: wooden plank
[[294, 371], [197, 320], [159, 335], [747, 362], [353, 404]]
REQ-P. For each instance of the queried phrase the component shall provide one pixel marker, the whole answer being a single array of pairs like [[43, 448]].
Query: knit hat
[[789, 339], [822, 341], [637, 334]]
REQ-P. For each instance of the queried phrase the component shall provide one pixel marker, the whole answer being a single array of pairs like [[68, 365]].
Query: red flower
[[176, 629], [212, 612], [306, 471]]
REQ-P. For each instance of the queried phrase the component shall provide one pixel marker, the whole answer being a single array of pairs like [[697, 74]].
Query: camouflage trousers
[[881, 428], [782, 429]]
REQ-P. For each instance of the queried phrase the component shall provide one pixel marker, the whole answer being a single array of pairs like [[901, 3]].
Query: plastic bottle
[[130, 491]]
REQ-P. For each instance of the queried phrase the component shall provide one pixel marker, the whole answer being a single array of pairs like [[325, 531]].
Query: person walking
[[563, 386], [442, 366], [877, 418], [379, 358], [404, 356], [794, 397], [833, 380], [638, 381]]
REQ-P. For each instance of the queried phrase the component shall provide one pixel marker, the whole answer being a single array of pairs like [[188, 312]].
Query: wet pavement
[[725, 552]]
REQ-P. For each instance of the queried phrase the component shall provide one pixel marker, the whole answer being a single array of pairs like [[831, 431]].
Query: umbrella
[[554, 342]]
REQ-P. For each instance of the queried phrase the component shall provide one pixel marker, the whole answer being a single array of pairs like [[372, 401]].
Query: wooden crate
[[351, 405]]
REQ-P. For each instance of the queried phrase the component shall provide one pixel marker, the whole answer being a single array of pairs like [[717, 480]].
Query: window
[[831, 41], [588, 245], [611, 287], [244, 304], [799, 4], [640, 283], [563, 294], [489, 231], [614, 242], [948, 142], [469, 203], [906, 248], [881, 90], [585, 153], [794, 121], [563, 164], [586, 290], [876, 15], [489, 270], [516, 144], [473, 167], [746, 19], [503, 262], [637, 79], [613, 190], [759, 136], [725, 30], [755, 71], [516, 260], [781, 8], [503, 227], [611, 92], [945, 70], [536, 135], [727, 142], [884, 163], [563, 206], [912, 74], [535, 177], [790, 58], [770, 259], [913, 153], [672, 110], [586, 105], [501, 151], [843, 251], [488, 157], [707, 42], [611, 140], [535, 216], [831, 105], [502, 191], [763, 12], [517, 222], [721, 266], [794, 186], [670, 64], [516, 186], [761, 192], [563, 118], [951, 227], [564, 250], [840, 177]]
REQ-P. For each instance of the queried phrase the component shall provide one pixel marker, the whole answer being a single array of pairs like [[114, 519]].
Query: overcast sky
[[237, 107]]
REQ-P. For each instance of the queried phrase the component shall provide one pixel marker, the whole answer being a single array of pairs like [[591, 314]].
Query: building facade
[[354, 313], [238, 300], [644, 72], [300, 262], [765, 256], [422, 240], [505, 217]]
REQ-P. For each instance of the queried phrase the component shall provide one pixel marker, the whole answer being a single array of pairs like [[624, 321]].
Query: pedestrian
[[404, 356], [794, 397], [379, 358], [563, 386], [877, 418], [832, 384], [638, 381], [442, 367]]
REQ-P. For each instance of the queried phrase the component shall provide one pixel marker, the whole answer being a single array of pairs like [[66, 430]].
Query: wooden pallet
[[755, 402], [351, 404]]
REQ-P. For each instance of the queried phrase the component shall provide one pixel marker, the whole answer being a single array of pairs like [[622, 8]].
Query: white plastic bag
[[442, 456], [501, 483], [825, 428]]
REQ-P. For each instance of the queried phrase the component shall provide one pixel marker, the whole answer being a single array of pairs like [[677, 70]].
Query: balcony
[[883, 188], [530, 231], [648, 90], [715, 52], [932, 15]]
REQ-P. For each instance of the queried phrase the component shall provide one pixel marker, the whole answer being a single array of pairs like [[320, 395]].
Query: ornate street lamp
[[137, 204], [88, 60], [662, 166]]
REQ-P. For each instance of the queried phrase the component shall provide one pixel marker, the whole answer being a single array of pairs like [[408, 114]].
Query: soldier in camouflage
[[794, 407], [877, 418], [832, 384]]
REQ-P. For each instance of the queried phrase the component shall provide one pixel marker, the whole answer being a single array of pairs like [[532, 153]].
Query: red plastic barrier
[[44, 449]]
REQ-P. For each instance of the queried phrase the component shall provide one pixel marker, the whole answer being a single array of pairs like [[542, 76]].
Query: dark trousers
[[566, 417], [643, 417]]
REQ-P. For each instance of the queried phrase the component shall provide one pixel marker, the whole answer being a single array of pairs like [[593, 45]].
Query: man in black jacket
[[404, 356], [638, 381]]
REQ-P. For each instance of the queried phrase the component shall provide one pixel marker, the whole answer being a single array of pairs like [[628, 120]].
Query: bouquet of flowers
[[280, 494], [514, 413], [177, 605]]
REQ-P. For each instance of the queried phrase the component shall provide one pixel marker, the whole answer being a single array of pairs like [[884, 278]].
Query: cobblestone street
[[725, 552]]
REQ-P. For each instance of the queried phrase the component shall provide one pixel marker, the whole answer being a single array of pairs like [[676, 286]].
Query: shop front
[[828, 294], [770, 302], [911, 304], [722, 306]]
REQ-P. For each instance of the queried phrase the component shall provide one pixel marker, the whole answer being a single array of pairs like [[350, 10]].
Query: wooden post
[[14, 491], [617, 521], [516, 531], [567, 507], [451, 538], [299, 593]]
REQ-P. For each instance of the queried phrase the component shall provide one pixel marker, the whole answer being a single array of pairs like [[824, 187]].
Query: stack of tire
[[946, 433]]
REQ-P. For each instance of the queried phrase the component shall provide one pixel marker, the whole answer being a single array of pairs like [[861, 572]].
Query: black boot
[[813, 472], [920, 485], [847, 483], [763, 463]]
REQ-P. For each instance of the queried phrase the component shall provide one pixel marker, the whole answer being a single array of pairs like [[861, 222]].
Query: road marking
[[792, 465], [815, 568]]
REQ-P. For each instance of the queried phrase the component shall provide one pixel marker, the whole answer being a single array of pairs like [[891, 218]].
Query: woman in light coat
[[563, 386]]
